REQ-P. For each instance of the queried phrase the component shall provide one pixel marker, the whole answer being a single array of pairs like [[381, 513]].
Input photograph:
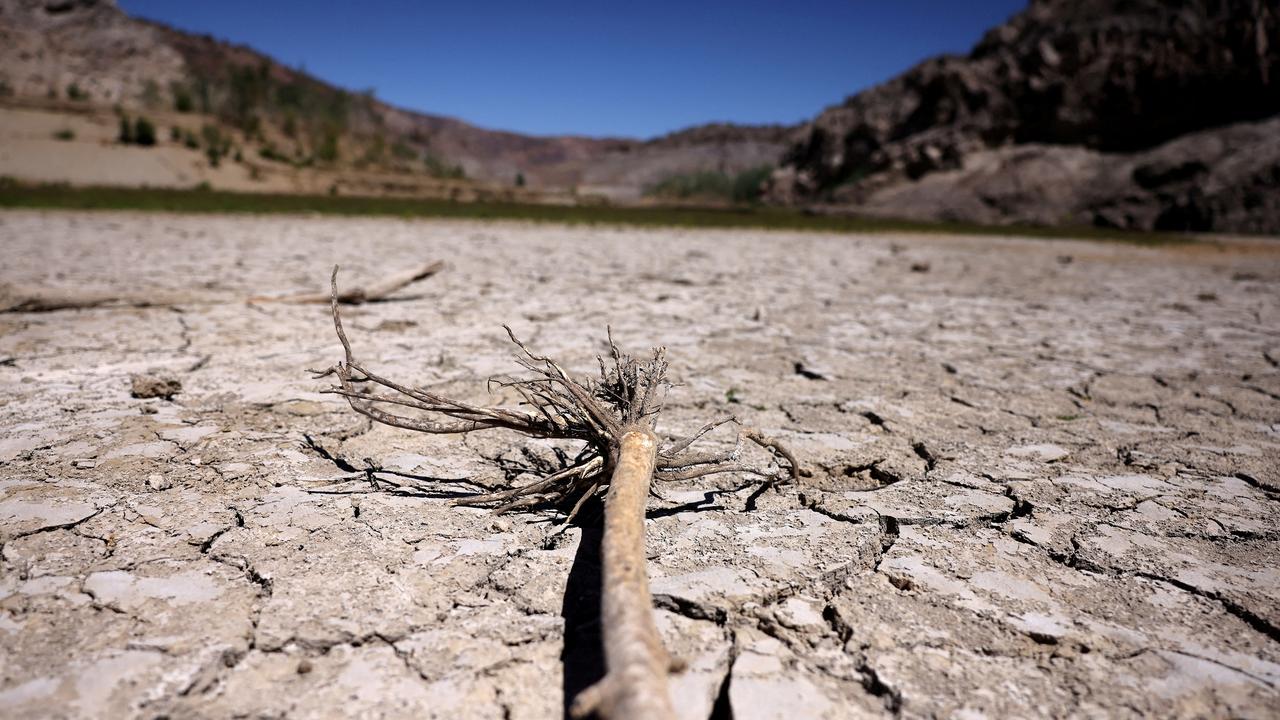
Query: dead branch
[[613, 416], [377, 292], [16, 299], [32, 300], [635, 684]]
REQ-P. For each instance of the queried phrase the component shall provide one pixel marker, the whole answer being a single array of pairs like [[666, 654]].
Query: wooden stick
[[614, 415]]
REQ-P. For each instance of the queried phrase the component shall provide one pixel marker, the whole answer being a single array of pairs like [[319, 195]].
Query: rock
[[156, 481], [154, 386], [1218, 179], [1044, 452]]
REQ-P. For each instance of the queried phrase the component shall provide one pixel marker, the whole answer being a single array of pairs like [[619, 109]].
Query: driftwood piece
[[17, 299], [636, 683], [613, 416], [32, 300]]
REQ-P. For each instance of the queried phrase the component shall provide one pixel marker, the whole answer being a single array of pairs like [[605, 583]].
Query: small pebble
[[154, 386]]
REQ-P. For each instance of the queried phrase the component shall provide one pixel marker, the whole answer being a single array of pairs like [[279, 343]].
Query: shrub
[[440, 169], [144, 133], [75, 93], [175, 134], [749, 184], [247, 91], [216, 144], [327, 151], [743, 187], [189, 141], [519, 179], [65, 134], [252, 126], [704, 184], [182, 100], [125, 135], [269, 152]]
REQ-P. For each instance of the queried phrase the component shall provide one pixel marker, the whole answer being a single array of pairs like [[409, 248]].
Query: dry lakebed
[[1041, 477]]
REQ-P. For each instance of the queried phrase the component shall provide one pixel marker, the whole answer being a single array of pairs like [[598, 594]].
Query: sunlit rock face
[[1079, 88]]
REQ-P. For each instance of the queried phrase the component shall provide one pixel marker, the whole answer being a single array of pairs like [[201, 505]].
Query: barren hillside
[[1147, 115], [87, 54]]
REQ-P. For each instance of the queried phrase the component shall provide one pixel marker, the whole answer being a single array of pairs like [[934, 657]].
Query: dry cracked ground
[[1040, 477]]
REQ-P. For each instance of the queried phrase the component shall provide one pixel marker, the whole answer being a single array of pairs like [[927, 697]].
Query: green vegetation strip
[[57, 196]]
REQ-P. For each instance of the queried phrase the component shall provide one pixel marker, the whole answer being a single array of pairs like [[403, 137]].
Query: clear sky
[[597, 68]]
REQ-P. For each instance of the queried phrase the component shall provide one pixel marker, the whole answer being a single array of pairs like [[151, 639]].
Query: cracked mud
[[1041, 478]]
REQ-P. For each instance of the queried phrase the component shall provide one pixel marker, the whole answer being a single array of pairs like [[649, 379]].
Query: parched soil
[[1042, 478]]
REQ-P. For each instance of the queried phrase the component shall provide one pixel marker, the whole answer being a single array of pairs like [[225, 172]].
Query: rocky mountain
[[93, 50], [1131, 113], [1141, 114]]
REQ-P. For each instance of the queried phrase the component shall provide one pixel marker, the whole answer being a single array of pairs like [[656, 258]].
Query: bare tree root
[[31, 300], [613, 416]]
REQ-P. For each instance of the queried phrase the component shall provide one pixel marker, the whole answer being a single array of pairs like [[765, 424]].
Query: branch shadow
[[583, 652], [708, 502]]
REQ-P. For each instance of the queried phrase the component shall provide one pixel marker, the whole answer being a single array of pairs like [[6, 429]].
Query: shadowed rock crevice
[[723, 707]]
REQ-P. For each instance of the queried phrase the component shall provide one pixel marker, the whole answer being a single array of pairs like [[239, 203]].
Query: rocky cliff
[[1136, 113]]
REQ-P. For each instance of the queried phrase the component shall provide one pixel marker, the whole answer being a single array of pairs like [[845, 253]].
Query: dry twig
[[30, 300], [613, 416], [377, 292]]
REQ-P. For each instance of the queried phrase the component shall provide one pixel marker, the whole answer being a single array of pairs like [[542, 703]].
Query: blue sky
[[597, 68]]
